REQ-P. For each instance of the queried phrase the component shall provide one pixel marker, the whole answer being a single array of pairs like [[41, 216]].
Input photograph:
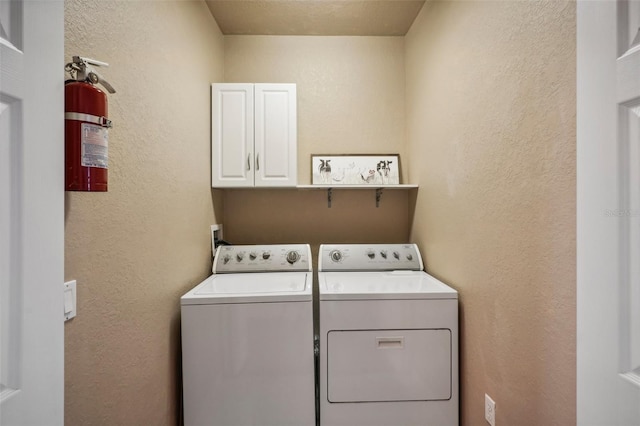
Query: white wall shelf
[[329, 188], [400, 186], [377, 188]]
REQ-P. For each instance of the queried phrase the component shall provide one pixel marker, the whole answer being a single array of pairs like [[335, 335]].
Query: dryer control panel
[[369, 257], [263, 258]]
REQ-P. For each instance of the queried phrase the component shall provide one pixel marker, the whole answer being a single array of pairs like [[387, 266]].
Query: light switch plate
[[69, 300]]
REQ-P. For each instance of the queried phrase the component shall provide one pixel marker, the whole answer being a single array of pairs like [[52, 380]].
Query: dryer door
[[389, 365]]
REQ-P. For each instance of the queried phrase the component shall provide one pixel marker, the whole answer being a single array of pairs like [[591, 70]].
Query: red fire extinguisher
[[86, 127]]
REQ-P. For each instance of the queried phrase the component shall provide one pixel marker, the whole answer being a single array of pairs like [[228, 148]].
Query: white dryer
[[247, 339], [388, 338]]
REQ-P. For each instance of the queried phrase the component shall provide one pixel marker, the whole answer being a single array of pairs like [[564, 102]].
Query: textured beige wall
[[491, 135], [302, 216], [350, 100], [137, 248], [350, 89]]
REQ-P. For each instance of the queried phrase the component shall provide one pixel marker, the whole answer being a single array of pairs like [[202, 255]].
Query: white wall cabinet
[[254, 135]]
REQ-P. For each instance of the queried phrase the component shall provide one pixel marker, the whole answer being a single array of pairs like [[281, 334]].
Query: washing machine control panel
[[369, 257], [262, 258]]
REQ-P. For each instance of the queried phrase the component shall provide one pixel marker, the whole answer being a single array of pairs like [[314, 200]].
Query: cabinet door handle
[[257, 162], [249, 161]]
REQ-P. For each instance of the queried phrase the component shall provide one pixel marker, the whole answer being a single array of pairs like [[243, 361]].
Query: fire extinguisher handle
[[107, 85], [81, 69], [97, 78]]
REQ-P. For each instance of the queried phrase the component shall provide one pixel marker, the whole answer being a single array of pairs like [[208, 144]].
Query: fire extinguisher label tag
[[95, 146]]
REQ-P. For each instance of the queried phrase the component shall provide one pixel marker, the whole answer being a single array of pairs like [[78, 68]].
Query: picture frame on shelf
[[355, 169]]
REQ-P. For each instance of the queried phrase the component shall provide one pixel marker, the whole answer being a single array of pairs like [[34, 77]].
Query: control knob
[[239, 257], [252, 256], [335, 255], [226, 259], [396, 255], [409, 256], [383, 253], [293, 256], [371, 254], [266, 255]]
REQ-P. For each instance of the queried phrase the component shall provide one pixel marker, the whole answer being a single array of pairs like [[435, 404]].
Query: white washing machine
[[388, 338], [247, 339]]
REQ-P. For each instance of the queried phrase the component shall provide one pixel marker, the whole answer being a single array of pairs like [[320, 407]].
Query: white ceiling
[[315, 17]]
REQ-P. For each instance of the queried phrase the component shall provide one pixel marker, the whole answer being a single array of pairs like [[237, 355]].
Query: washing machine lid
[[251, 288], [384, 285]]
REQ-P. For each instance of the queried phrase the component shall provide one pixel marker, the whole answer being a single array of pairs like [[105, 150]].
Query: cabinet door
[[232, 159], [275, 135]]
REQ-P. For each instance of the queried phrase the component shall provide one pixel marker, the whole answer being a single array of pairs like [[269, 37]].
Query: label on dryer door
[[95, 146]]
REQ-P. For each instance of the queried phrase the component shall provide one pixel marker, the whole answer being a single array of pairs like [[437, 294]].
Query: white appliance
[[247, 339], [388, 338]]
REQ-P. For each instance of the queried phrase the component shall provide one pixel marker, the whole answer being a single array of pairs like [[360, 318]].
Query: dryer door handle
[[390, 342]]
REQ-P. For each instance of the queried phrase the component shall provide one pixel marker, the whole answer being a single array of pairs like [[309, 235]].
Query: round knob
[[266, 255], [252, 256], [409, 257], [239, 257], [336, 255], [383, 253], [396, 255], [371, 254], [293, 256], [226, 259]]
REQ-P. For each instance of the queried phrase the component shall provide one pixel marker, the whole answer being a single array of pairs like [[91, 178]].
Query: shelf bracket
[[378, 196], [329, 195]]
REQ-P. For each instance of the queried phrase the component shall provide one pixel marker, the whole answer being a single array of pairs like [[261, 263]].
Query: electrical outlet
[[216, 231], [216, 234], [489, 410]]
